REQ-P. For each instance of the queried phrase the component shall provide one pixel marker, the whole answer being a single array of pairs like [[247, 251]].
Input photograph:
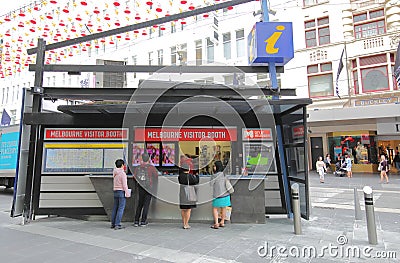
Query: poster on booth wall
[[258, 158]]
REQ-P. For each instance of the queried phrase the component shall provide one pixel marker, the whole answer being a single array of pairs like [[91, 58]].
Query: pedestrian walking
[[121, 191], [147, 177], [321, 168], [396, 161], [348, 163], [383, 168], [327, 162]]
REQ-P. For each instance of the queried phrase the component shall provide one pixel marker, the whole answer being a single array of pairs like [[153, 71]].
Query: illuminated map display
[[82, 157], [259, 158]]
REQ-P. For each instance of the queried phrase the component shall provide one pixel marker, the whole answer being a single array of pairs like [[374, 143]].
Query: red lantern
[[68, 37], [119, 36], [149, 3], [97, 46], [65, 10], [144, 33], [159, 9], [7, 19], [162, 27], [8, 33], [83, 3], [33, 21], [96, 10], [36, 8], [73, 29], [127, 37], [21, 24], [84, 48], [45, 34], [20, 39], [53, 2], [89, 24], [31, 44], [32, 29], [206, 15], [7, 44], [136, 31], [55, 38], [58, 33], [127, 11], [112, 42], [21, 13], [99, 29], [103, 40], [107, 17], [49, 16], [83, 33], [191, 7], [155, 26], [183, 22], [70, 54], [137, 16], [183, 2], [116, 3], [62, 53], [46, 28], [167, 14], [61, 23], [117, 23], [229, 7], [78, 18], [88, 44]]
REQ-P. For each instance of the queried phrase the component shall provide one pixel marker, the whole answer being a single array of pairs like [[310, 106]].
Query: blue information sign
[[271, 42], [9, 150]]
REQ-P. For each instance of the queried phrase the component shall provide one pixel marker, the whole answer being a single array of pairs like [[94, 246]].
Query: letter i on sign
[[271, 41]]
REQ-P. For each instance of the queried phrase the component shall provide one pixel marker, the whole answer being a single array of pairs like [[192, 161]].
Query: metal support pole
[[370, 213], [271, 65], [357, 208], [296, 209]]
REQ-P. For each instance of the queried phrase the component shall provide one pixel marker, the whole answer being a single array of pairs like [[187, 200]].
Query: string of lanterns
[[59, 20]]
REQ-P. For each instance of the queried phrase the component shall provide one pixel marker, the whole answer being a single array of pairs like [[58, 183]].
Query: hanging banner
[[257, 134]]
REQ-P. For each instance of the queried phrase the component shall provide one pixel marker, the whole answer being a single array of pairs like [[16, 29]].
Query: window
[[173, 27], [134, 62], [317, 32], [63, 79], [240, 45], [371, 73], [367, 24], [320, 80], [173, 55], [160, 57], [182, 54], [210, 51], [313, 2], [392, 62], [227, 45], [150, 54], [8, 92], [199, 51]]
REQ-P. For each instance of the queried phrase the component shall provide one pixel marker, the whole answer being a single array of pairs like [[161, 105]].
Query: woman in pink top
[[120, 191]]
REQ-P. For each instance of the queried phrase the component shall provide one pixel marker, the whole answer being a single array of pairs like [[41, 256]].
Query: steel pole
[[296, 209], [370, 213], [357, 207]]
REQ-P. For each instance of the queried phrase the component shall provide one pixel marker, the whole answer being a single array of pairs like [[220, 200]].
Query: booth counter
[[248, 200]]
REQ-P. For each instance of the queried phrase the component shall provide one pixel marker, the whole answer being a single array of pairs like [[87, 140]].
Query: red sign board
[[257, 134], [298, 131], [184, 134], [85, 134]]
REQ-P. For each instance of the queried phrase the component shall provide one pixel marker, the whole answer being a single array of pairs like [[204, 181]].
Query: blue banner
[[9, 150]]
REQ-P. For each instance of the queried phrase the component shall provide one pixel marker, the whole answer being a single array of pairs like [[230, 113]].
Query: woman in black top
[[185, 178]]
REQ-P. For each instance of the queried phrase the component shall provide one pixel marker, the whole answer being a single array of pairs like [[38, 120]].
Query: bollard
[[370, 213], [296, 209], [357, 207]]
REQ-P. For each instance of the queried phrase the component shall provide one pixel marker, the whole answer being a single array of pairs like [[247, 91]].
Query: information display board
[[8, 151], [258, 158], [82, 157]]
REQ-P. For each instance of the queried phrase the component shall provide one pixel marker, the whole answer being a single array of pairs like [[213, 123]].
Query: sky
[[7, 5]]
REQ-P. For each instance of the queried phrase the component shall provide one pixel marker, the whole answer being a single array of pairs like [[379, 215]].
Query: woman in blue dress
[[221, 196]]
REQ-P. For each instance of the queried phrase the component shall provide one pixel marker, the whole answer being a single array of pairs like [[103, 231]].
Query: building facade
[[354, 109]]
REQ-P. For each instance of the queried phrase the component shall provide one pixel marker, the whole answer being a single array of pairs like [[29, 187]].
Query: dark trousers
[[143, 204]]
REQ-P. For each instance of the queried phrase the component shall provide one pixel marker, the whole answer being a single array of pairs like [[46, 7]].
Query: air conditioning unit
[[110, 79]]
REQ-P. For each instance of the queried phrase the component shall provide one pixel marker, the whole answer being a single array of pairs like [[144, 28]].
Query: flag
[[338, 73], [396, 70], [5, 118]]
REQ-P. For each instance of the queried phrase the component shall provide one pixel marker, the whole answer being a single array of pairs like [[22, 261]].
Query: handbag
[[190, 192], [229, 186], [380, 167]]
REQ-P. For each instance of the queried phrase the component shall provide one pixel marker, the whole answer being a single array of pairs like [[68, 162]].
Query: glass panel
[[312, 69], [210, 51], [326, 67], [309, 24], [375, 14], [321, 85], [199, 51], [374, 79], [323, 21], [360, 17], [356, 85]]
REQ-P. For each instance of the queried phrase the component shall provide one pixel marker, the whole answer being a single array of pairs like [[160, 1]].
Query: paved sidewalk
[[332, 232]]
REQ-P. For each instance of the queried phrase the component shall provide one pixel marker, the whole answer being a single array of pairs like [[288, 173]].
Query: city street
[[58, 239]]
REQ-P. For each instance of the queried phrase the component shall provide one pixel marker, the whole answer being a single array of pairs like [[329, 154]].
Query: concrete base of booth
[[248, 201]]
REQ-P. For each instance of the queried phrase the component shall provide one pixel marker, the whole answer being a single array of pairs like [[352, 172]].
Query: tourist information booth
[[261, 143]]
